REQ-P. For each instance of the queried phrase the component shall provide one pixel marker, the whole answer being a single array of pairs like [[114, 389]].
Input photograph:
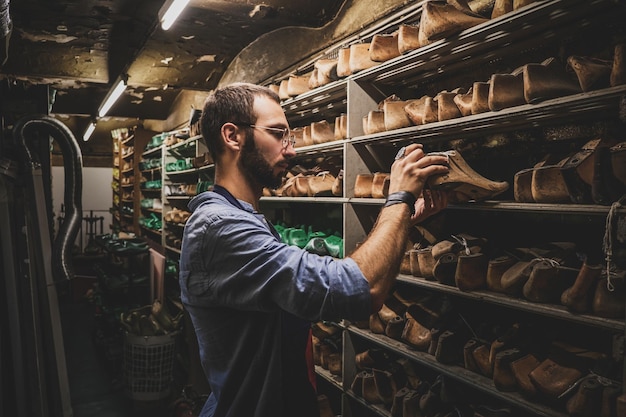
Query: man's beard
[[256, 168]]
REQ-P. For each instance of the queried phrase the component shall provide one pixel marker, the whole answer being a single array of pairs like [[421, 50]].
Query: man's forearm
[[380, 255]]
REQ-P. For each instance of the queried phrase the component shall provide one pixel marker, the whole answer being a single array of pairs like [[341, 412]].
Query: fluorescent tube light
[[172, 8], [89, 131], [111, 98]]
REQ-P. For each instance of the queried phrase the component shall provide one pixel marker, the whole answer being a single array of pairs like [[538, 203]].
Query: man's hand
[[431, 202], [412, 168]]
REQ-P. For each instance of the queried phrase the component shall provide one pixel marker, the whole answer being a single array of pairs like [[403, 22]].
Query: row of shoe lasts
[[518, 359], [398, 386], [127, 150], [322, 180], [151, 320], [114, 244], [156, 141], [150, 163], [128, 165], [177, 216], [318, 242], [529, 84], [560, 377], [461, 183], [181, 189], [128, 195], [374, 185], [128, 180], [173, 138], [594, 174], [151, 203], [439, 20], [310, 184], [122, 133], [547, 274], [115, 185], [321, 132], [326, 344], [151, 184], [179, 165], [202, 160], [152, 222]]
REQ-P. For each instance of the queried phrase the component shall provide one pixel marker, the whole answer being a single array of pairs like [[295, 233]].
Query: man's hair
[[232, 103]]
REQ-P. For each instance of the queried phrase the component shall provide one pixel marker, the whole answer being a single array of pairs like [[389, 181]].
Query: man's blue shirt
[[251, 299]]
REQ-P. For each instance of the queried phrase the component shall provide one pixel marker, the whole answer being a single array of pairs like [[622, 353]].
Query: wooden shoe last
[[408, 38], [577, 298], [395, 117], [360, 57], [495, 269], [480, 97], [548, 184], [442, 19], [384, 47], [546, 80], [343, 63], [553, 379], [471, 272], [506, 90], [298, 84], [592, 73], [618, 70], [462, 183]]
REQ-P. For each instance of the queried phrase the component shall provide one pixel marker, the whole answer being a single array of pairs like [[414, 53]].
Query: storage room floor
[[96, 384]]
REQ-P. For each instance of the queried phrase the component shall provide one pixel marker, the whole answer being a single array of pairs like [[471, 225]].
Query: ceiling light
[[89, 131], [170, 11], [112, 97]]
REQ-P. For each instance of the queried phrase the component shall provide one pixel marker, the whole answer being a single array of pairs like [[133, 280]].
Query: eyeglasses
[[281, 133]]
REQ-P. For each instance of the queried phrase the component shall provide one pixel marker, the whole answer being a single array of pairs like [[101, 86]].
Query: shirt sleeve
[[233, 260]]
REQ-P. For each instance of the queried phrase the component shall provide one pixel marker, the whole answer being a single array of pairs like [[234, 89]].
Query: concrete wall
[[262, 59], [180, 111]]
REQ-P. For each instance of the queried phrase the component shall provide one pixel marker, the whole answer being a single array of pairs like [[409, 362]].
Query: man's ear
[[231, 136]]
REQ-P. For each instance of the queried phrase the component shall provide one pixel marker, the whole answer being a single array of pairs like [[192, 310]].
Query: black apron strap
[[232, 200]]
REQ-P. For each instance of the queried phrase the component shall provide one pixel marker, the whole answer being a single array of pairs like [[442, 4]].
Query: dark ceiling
[[80, 47]]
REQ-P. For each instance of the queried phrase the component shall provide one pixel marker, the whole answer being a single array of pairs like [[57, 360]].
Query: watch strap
[[401, 197]]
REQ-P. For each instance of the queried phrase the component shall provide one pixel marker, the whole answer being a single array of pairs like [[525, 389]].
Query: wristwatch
[[401, 197]]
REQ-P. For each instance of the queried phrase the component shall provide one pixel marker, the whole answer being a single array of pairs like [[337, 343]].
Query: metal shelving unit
[[537, 27]]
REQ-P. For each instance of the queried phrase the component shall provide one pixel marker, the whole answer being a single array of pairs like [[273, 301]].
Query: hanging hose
[[73, 168], [5, 18], [6, 27]]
